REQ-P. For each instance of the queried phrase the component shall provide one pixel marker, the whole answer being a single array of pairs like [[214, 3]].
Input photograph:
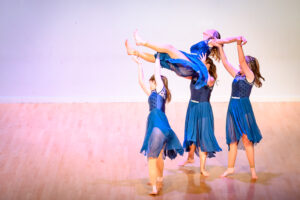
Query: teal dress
[[199, 122], [240, 117], [159, 134]]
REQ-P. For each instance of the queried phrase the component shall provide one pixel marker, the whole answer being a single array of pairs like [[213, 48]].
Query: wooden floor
[[91, 151]]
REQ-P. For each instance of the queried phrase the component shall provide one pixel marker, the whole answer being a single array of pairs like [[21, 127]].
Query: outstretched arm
[[242, 61], [141, 76], [229, 40], [232, 71], [157, 74]]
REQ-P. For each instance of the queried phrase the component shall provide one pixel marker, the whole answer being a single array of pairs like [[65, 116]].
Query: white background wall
[[73, 51]]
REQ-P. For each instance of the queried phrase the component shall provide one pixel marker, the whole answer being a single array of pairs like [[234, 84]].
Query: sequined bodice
[[240, 86], [157, 100], [200, 95]]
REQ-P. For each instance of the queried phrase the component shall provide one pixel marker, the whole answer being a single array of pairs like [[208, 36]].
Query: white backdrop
[[73, 51]]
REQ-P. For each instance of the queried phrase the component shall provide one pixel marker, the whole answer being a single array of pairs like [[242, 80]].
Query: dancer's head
[[254, 66], [211, 67], [213, 34], [165, 81]]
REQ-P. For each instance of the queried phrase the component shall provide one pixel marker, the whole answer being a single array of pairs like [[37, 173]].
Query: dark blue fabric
[[158, 124], [200, 95], [156, 101], [240, 117], [199, 123], [201, 48], [192, 67], [240, 86]]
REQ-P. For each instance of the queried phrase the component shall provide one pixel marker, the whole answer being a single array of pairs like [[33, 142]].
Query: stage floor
[[91, 151]]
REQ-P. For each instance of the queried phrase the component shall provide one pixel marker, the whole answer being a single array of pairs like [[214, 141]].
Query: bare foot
[[188, 161], [130, 51], [229, 171], [160, 185], [138, 40], [253, 174], [154, 191], [204, 173]]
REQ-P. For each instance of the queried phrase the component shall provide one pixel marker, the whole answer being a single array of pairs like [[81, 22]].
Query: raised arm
[[229, 40], [157, 74], [232, 71], [242, 61], [141, 76]]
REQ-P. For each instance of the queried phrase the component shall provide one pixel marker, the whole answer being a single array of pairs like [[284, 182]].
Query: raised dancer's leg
[[169, 49], [231, 159], [152, 164], [203, 156], [250, 155], [145, 56], [190, 158]]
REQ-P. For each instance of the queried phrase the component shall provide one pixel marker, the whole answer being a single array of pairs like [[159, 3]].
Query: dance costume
[[192, 67], [159, 134], [199, 122], [240, 117]]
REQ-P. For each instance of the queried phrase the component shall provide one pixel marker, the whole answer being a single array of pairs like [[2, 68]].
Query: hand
[[136, 59], [241, 40], [203, 57]]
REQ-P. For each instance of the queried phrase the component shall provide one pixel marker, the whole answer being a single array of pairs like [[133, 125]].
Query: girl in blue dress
[[160, 140], [182, 63], [199, 134], [240, 121]]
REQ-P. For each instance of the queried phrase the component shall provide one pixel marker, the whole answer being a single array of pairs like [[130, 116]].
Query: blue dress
[[159, 134], [193, 67], [240, 117], [199, 122]]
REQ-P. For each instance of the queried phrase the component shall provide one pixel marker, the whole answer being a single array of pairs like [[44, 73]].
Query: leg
[[152, 164], [250, 155], [169, 49], [231, 159], [190, 158], [203, 156], [146, 56], [160, 170]]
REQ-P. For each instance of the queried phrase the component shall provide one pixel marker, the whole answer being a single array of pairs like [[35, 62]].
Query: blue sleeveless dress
[[199, 122], [159, 134], [193, 67], [240, 117]]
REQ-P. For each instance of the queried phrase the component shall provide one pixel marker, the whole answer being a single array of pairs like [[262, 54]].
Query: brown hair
[[165, 82], [215, 53], [212, 68], [254, 66]]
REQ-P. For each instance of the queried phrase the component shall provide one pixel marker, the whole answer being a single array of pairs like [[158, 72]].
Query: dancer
[[160, 140], [240, 121], [199, 123], [182, 63]]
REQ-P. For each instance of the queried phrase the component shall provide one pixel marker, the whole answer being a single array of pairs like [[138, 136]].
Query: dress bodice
[[201, 48], [240, 86], [157, 100], [200, 95]]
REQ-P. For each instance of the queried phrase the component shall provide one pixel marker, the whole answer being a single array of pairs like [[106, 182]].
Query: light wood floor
[[91, 151]]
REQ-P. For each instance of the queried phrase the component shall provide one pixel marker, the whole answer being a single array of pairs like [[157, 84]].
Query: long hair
[[254, 66], [212, 68], [165, 81], [215, 53]]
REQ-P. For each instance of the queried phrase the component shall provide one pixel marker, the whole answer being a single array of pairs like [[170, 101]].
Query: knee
[[246, 141]]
